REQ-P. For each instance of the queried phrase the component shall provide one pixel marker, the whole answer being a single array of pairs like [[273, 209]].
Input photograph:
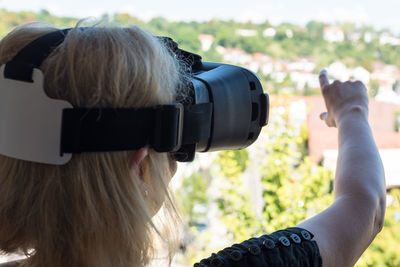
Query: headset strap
[[32, 56], [109, 129], [164, 128]]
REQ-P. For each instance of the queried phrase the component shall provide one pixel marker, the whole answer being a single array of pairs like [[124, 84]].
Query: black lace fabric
[[290, 247]]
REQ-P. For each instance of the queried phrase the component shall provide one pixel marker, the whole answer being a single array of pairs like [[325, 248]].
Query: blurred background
[[287, 175]]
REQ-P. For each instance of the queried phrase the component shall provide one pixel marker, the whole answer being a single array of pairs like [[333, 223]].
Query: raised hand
[[342, 99]]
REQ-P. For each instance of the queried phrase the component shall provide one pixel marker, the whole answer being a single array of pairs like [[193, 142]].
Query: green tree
[[374, 89], [192, 194], [315, 30], [234, 203], [294, 188], [397, 123]]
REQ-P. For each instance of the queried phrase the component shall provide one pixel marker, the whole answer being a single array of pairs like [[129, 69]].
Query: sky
[[380, 14]]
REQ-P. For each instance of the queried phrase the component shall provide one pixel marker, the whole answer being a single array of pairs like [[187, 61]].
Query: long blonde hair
[[91, 211]]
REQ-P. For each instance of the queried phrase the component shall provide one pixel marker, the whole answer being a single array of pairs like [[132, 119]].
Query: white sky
[[381, 14]]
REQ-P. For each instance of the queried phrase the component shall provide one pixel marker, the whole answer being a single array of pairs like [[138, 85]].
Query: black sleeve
[[290, 247]]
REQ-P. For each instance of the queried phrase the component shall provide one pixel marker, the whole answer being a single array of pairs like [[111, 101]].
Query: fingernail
[[323, 72]]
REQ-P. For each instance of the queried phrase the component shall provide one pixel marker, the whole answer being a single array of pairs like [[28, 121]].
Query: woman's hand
[[342, 99]]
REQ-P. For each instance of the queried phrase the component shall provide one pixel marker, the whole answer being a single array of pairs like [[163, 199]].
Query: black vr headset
[[226, 110]]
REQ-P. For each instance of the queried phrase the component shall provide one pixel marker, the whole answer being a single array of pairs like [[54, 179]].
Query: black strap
[[165, 128], [31, 56], [197, 123], [108, 129]]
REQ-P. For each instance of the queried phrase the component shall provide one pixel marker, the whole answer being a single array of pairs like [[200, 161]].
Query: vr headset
[[226, 110]]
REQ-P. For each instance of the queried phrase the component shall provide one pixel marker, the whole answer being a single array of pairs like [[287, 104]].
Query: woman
[[97, 210]]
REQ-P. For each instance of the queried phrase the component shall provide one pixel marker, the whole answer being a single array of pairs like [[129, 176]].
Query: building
[[361, 74], [302, 80], [387, 38], [339, 71], [269, 32], [368, 36], [235, 55], [263, 63], [289, 33], [305, 65], [354, 37], [206, 41], [333, 34], [385, 75], [246, 32]]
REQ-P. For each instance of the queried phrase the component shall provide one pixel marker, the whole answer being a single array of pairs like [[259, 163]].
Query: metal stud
[[236, 255], [306, 235], [285, 241], [295, 238], [269, 243], [254, 250]]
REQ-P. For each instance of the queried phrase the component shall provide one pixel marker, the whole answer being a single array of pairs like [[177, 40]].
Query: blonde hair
[[91, 211]]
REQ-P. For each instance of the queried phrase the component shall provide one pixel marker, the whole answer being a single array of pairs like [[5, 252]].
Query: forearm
[[359, 173], [359, 168]]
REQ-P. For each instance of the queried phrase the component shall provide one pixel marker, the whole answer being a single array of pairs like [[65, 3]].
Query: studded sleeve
[[289, 247]]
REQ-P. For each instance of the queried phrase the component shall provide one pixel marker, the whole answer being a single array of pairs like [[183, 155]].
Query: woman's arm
[[345, 229]]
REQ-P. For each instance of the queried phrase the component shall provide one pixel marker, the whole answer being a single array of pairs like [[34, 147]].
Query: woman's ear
[[138, 157]]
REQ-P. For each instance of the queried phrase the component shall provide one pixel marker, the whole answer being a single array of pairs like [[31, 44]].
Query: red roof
[[330, 28], [206, 37]]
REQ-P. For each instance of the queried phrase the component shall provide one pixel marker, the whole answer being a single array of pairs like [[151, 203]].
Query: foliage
[[193, 198], [397, 123], [306, 41], [294, 187], [10, 19], [373, 89], [234, 203]]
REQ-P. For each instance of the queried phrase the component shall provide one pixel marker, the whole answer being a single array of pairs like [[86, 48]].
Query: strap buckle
[[168, 128]]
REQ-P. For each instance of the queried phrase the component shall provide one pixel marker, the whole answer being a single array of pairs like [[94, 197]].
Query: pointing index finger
[[323, 79]]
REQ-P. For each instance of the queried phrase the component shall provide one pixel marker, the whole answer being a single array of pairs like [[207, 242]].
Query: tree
[[374, 88], [315, 30], [192, 194], [294, 188], [234, 203]]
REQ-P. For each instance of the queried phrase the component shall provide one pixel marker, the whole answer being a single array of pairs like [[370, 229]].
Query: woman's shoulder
[[288, 247]]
